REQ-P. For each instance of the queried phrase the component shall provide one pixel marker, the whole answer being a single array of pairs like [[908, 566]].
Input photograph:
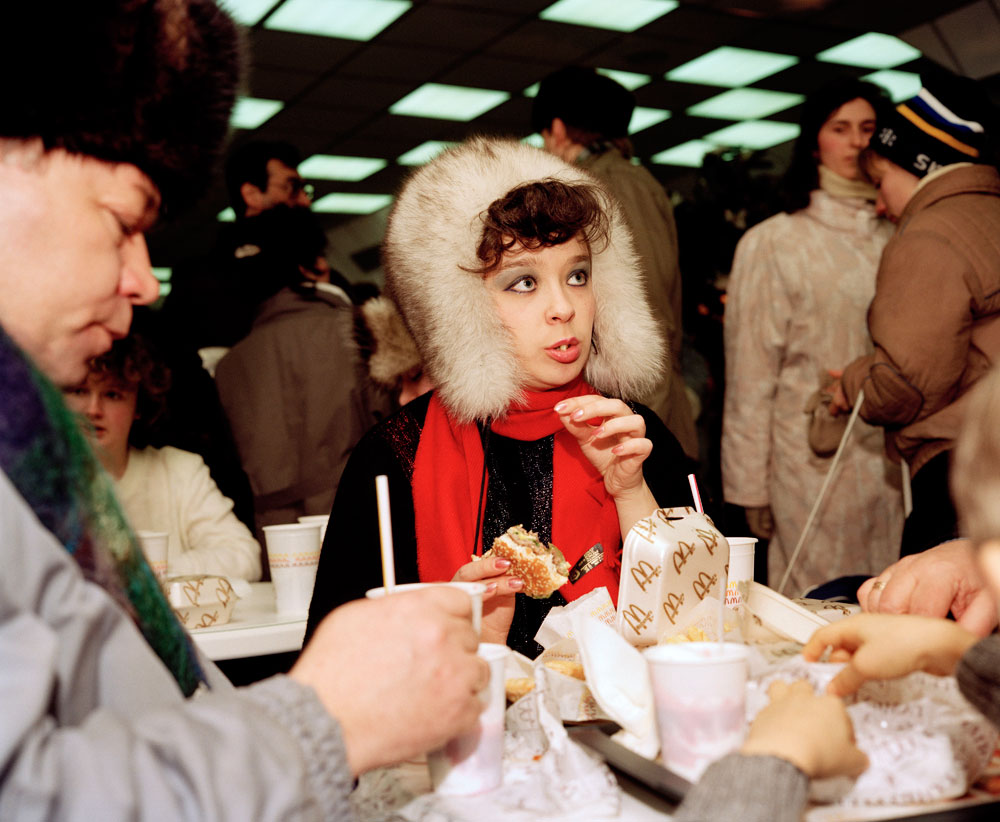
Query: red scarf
[[448, 471]]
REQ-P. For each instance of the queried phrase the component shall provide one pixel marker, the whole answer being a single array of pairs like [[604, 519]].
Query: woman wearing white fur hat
[[517, 277]]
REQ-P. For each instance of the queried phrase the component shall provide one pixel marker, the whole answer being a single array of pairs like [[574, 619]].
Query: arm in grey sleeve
[[748, 789], [94, 727], [269, 752]]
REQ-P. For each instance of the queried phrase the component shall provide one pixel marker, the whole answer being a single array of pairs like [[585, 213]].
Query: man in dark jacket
[[584, 118]]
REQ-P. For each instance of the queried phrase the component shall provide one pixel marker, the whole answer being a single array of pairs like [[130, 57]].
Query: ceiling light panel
[[873, 50], [532, 90], [347, 19], [621, 15], [690, 154], [448, 102], [423, 153], [227, 215], [731, 67], [248, 12], [343, 203], [754, 134], [629, 79], [745, 104], [335, 167], [535, 140], [643, 118], [901, 85], [251, 112]]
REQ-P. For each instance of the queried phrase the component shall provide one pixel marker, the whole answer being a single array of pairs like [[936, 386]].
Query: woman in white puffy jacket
[[161, 489]]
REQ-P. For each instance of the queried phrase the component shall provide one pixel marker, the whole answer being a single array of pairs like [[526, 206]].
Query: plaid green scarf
[[51, 464]]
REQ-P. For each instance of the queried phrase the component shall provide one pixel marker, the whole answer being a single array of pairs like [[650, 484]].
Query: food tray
[[780, 614]]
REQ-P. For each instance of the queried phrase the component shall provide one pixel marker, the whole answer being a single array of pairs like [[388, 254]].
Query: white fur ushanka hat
[[431, 267]]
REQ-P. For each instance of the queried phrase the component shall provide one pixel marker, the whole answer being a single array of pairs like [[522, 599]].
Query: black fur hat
[[147, 82]]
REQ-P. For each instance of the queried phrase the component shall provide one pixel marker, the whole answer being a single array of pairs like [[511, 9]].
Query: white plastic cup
[[154, 547], [321, 519], [473, 763], [475, 590], [699, 689], [293, 556], [741, 551]]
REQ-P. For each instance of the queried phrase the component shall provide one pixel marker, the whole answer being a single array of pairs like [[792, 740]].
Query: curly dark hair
[[541, 214], [134, 362]]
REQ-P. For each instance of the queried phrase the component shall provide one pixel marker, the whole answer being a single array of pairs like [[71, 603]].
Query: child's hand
[[882, 646], [812, 732], [612, 438]]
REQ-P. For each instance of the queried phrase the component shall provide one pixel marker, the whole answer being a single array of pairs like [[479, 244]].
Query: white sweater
[[166, 489]]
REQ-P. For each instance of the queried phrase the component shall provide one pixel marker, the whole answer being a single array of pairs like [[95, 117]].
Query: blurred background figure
[[584, 118], [798, 295], [390, 352], [295, 392], [260, 175], [935, 318], [161, 489]]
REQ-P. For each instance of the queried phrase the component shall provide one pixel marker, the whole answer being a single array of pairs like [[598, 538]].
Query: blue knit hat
[[945, 123]]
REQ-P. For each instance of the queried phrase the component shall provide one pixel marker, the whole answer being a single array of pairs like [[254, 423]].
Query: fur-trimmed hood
[[430, 264], [394, 354]]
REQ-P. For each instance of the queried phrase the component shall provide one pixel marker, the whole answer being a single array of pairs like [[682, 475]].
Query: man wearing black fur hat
[[114, 112], [584, 117], [935, 318]]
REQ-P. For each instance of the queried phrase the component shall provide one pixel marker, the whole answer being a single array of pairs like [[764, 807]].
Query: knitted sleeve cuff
[[978, 675], [298, 709], [748, 788]]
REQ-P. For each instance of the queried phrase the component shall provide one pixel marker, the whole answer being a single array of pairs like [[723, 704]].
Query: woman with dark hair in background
[[798, 294]]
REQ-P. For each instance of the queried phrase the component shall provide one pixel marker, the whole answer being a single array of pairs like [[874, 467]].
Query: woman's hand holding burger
[[498, 601]]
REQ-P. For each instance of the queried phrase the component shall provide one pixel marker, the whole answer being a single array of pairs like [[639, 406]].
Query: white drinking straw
[[694, 493], [385, 532], [723, 582]]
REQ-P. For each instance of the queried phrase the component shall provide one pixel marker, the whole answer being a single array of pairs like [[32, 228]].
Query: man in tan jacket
[[935, 318], [583, 118]]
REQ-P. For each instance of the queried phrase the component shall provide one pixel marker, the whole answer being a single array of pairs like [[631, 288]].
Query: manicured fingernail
[[577, 415], [560, 407], [490, 587], [515, 584], [501, 564], [617, 449]]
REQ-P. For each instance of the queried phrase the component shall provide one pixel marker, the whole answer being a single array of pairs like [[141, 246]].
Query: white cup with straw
[[724, 583], [473, 762]]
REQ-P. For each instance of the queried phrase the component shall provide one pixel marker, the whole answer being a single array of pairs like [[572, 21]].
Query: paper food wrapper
[[619, 680], [924, 741], [546, 776], [671, 561], [558, 624], [200, 601], [569, 694]]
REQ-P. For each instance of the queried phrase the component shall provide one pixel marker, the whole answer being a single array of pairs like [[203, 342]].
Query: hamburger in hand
[[542, 567]]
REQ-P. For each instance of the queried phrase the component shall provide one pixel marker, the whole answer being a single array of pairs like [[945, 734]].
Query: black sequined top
[[519, 492]]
